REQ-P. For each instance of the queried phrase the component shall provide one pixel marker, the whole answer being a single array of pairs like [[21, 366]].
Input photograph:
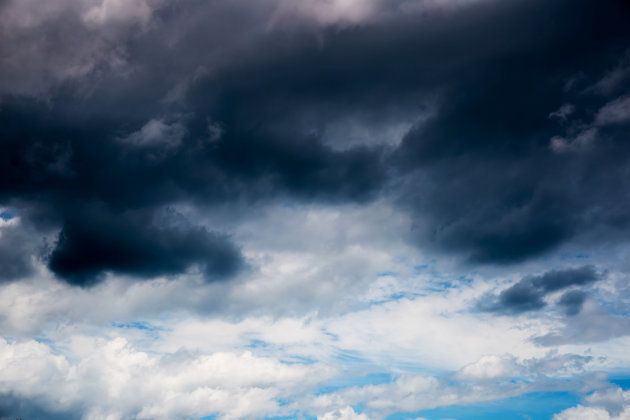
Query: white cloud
[[115, 380], [349, 301], [608, 404], [109, 377], [183, 364], [28, 368], [416, 331], [489, 367], [414, 392], [585, 413], [345, 413]]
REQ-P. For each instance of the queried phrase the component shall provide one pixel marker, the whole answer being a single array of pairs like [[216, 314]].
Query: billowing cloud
[[608, 404], [125, 382]]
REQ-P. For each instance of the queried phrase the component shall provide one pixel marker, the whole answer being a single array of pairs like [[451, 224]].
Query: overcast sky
[[314, 209]]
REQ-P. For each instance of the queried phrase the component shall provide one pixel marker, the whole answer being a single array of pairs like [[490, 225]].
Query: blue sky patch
[[533, 406]]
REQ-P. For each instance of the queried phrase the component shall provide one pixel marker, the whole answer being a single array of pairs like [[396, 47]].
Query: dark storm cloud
[[102, 189], [528, 293], [489, 185], [204, 115], [93, 241]]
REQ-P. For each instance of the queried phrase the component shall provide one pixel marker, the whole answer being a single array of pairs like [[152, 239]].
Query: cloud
[[138, 243], [66, 41], [528, 293], [488, 367], [572, 301], [591, 324], [415, 392], [614, 79], [109, 11], [287, 118], [494, 367], [608, 404], [563, 112], [314, 195], [483, 184], [346, 413], [583, 140], [500, 361], [156, 133], [100, 377], [17, 248], [112, 378], [615, 112]]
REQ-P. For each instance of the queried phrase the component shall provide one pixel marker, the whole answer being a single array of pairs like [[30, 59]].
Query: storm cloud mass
[[280, 157]]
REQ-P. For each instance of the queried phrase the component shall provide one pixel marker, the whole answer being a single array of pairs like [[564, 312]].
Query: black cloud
[[484, 181], [528, 293], [247, 118], [93, 241]]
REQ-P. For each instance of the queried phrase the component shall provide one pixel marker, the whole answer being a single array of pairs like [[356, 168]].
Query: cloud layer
[[248, 209]]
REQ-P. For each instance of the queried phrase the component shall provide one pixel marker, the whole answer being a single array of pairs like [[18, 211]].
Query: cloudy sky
[[314, 209]]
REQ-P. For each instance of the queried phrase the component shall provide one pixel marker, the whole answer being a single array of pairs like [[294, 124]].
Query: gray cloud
[[572, 301], [20, 245], [529, 293]]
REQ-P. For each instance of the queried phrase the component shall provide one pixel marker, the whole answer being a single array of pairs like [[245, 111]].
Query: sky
[[314, 209]]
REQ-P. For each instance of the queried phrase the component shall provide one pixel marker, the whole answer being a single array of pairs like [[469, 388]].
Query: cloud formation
[[94, 241], [274, 113], [271, 208], [528, 293]]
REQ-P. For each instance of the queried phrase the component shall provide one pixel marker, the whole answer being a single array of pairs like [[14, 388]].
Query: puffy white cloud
[[583, 413], [345, 413], [489, 367], [28, 368], [608, 404], [112, 379]]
